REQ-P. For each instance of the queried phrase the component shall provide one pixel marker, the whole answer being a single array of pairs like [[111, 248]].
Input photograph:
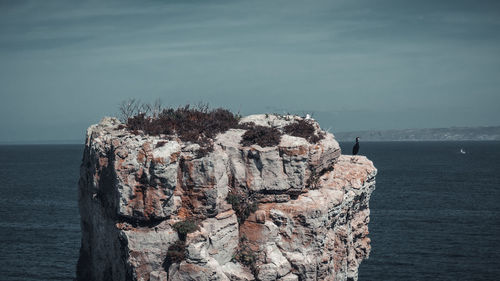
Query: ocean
[[435, 213]]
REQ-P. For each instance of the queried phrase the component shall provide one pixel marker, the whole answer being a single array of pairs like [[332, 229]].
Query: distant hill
[[435, 134]]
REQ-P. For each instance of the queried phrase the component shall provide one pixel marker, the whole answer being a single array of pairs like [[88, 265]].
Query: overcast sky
[[354, 65]]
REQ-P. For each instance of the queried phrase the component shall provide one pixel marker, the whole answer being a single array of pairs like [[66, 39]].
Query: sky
[[354, 65]]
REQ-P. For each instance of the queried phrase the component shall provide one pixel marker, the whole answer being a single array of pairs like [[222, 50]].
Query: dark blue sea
[[435, 214]]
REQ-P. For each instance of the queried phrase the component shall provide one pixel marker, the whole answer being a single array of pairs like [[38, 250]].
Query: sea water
[[435, 213]]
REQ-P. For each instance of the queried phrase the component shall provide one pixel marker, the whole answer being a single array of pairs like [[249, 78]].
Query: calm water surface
[[435, 214], [39, 220]]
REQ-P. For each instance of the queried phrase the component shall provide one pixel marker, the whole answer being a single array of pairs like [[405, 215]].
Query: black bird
[[355, 148]]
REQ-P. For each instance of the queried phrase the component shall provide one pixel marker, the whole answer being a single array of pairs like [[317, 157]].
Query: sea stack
[[154, 207]]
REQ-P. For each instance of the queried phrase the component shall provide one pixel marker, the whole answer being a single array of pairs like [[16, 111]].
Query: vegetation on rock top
[[304, 129], [263, 136], [199, 124]]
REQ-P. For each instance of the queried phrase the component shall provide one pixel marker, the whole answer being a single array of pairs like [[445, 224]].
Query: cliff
[[155, 208]]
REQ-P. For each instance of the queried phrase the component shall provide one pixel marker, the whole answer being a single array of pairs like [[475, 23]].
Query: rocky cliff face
[[153, 208]]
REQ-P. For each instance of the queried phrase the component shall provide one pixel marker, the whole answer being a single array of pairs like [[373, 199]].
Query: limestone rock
[[310, 223], [236, 272]]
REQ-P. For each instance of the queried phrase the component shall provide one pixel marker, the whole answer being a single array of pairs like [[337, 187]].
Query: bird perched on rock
[[355, 148]]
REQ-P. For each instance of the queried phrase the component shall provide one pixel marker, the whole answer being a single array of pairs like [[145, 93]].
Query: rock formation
[[153, 208]]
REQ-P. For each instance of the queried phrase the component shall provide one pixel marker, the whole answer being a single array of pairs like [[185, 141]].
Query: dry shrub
[[195, 124], [177, 251], [185, 227], [242, 204], [263, 136], [200, 125], [303, 129]]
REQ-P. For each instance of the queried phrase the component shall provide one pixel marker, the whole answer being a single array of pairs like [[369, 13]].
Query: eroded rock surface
[[310, 221]]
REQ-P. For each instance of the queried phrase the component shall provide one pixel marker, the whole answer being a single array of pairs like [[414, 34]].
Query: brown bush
[[263, 136], [200, 125], [242, 204], [195, 124], [303, 129]]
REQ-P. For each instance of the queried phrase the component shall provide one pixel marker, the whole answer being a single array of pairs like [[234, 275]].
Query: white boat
[[462, 151]]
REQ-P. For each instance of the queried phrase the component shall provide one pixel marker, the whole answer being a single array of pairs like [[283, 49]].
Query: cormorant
[[355, 148]]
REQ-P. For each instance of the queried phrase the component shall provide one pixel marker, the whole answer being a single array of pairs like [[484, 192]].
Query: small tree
[[128, 109]]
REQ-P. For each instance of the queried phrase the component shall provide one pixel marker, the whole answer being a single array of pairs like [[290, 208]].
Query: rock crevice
[[298, 210]]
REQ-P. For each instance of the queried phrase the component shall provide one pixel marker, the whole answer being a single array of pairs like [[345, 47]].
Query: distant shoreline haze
[[484, 133], [490, 133]]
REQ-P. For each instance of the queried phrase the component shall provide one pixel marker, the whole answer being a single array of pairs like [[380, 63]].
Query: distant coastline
[[490, 133]]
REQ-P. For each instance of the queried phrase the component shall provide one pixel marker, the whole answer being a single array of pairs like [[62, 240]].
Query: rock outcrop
[[152, 208]]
